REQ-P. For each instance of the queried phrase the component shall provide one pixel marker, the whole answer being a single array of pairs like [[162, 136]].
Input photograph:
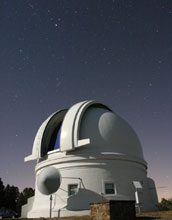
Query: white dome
[[90, 126], [109, 133]]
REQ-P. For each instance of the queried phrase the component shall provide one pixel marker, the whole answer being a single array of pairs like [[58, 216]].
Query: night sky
[[55, 53]]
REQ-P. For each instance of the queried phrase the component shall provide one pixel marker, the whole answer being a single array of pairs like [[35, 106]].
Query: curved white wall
[[90, 174]]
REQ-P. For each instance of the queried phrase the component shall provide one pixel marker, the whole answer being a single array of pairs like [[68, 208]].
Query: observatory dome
[[90, 126], [84, 154]]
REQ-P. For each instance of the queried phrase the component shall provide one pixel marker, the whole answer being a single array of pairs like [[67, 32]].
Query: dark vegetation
[[11, 198], [165, 205]]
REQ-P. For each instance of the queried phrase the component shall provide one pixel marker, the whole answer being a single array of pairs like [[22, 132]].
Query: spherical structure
[[48, 180], [99, 157]]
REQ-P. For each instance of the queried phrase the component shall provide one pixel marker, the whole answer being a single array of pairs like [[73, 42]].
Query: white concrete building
[[99, 157]]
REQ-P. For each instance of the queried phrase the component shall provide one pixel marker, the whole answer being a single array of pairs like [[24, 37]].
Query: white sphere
[[49, 180]]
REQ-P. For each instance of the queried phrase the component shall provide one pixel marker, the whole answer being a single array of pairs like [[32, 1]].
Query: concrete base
[[110, 210]]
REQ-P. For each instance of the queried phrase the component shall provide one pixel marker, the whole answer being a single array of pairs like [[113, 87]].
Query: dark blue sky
[[54, 53]]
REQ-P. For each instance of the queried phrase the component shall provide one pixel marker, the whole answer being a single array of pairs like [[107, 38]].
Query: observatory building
[[84, 154]]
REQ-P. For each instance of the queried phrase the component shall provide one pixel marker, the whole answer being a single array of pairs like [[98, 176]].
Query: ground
[[167, 215]]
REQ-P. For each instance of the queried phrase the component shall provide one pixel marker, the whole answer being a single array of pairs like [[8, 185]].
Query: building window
[[109, 188], [72, 189]]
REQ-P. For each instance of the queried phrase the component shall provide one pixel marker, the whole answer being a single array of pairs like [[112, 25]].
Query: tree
[[11, 198], [28, 192], [11, 194], [1, 194], [165, 204]]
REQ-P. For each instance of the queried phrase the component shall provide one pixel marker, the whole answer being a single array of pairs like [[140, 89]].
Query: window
[[109, 188], [72, 189]]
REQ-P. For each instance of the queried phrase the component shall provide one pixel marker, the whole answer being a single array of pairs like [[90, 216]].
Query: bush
[[165, 204]]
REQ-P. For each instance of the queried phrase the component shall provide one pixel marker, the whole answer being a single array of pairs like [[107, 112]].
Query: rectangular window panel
[[72, 189], [109, 188]]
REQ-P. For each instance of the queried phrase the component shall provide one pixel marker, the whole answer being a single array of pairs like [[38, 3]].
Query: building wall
[[28, 207], [90, 174]]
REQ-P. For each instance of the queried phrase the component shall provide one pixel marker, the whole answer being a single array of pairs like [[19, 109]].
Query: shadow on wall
[[82, 199]]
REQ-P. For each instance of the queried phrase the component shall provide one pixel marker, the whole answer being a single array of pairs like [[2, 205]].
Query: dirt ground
[[167, 215], [143, 216], [155, 215]]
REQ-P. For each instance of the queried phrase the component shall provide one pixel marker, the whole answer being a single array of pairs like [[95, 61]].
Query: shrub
[[165, 204]]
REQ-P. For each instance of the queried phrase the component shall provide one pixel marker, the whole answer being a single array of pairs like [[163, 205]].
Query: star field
[[56, 53]]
